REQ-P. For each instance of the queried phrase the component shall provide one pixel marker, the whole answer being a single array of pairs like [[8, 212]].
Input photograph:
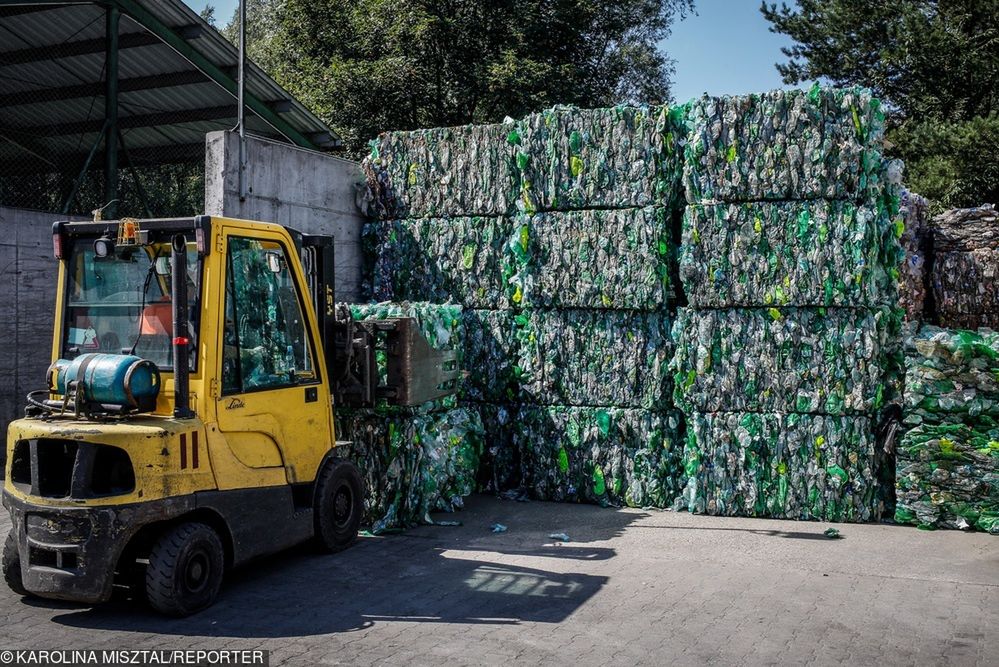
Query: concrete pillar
[[308, 191]]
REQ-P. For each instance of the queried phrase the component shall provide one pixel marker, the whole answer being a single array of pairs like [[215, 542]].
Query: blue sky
[[725, 49]]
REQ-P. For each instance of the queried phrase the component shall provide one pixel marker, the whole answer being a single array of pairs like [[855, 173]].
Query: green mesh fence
[[835, 361], [413, 463], [793, 253], [786, 144], [618, 157], [789, 466]]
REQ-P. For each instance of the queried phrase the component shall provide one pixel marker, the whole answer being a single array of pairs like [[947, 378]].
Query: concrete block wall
[[28, 273], [305, 190]]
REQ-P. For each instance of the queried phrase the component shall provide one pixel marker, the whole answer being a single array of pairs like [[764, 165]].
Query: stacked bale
[[948, 461], [915, 241], [790, 347], [965, 274], [562, 263], [414, 460]]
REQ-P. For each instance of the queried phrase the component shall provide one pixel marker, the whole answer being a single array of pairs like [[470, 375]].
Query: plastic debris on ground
[[560, 537], [834, 361], [413, 463], [912, 287], [617, 157], [786, 466], [608, 456], [595, 357], [619, 259], [832, 533], [785, 144], [793, 253], [498, 528], [451, 171], [464, 260], [947, 464]]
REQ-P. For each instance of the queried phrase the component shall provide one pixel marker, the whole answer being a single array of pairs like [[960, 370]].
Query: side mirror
[[162, 266], [274, 262]]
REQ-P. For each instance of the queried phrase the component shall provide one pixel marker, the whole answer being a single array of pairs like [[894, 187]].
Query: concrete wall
[[27, 291], [305, 190]]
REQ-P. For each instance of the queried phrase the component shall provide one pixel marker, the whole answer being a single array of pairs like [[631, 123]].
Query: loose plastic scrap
[[465, 260], [618, 157], [595, 357], [413, 463], [912, 288], [948, 476], [793, 253], [492, 350], [441, 324], [783, 466], [951, 375], [787, 144], [604, 259], [609, 456], [450, 171], [811, 360], [560, 537]]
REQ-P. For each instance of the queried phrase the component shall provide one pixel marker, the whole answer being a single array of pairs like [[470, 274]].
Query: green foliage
[[935, 63], [955, 164], [367, 66]]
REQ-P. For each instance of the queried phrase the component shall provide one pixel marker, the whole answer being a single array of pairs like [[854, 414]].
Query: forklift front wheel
[[185, 569], [339, 505], [12, 566]]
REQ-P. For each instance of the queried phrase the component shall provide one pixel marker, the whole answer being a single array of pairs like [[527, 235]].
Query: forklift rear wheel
[[12, 566], [185, 569], [339, 504]]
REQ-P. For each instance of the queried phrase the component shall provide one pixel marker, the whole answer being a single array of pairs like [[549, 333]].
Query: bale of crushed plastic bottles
[[465, 260], [824, 143], [617, 157], [915, 239], [789, 253], [951, 375], [609, 456], [966, 284], [785, 466], [966, 229], [595, 357], [810, 360], [439, 172], [412, 462], [492, 353], [602, 259], [948, 475], [441, 324], [501, 469]]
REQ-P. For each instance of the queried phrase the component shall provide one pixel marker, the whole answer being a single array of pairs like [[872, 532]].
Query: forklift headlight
[[103, 247]]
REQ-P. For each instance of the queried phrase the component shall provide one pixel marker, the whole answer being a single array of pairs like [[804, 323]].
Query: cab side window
[[265, 341]]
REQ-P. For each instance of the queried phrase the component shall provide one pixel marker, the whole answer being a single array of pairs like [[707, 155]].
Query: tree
[[935, 64], [371, 65]]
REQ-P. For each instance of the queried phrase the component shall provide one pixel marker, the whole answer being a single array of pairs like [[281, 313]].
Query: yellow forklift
[[187, 424]]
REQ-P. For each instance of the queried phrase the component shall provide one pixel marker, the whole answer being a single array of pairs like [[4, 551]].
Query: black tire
[[185, 569], [12, 566], [339, 505]]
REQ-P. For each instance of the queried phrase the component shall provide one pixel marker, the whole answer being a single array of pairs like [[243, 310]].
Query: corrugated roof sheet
[[52, 64]]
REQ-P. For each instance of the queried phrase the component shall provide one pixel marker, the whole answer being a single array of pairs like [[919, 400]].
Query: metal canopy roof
[[176, 81]]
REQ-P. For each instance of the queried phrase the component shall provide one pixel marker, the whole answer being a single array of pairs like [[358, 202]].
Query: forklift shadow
[[302, 594]]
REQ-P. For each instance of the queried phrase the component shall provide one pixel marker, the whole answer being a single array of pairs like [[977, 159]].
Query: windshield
[[121, 304]]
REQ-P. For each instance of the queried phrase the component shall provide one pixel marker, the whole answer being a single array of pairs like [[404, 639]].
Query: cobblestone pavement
[[631, 586]]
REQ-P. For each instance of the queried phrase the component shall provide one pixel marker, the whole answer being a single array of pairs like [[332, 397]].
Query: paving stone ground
[[631, 586]]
